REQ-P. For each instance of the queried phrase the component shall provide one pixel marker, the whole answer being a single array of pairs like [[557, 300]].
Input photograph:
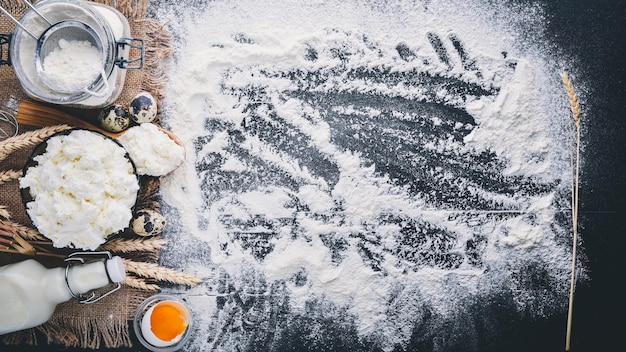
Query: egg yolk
[[168, 320]]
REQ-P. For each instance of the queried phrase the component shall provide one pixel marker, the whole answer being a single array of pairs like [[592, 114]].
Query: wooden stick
[[575, 108], [37, 115]]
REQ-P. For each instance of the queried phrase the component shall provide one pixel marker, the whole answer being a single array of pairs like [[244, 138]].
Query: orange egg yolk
[[168, 320]]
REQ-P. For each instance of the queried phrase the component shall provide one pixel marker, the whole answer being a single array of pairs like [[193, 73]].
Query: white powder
[[24, 54], [83, 189], [72, 66], [342, 161]]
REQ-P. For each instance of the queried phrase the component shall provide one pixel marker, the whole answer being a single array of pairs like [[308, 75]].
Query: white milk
[[30, 292]]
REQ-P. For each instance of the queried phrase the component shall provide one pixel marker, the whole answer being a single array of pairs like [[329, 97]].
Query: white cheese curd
[[153, 151], [83, 189]]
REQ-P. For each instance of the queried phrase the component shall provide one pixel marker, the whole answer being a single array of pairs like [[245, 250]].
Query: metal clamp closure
[[77, 258], [5, 55], [134, 43]]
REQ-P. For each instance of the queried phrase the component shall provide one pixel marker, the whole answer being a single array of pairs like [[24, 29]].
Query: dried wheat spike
[[139, 283], [9, 175], [573, 100], [575, 163], [4, 213], [26, 232], [29, 138], [154, 271], [121, 245]]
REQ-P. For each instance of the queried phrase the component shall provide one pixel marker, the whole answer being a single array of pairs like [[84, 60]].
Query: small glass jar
[[161, 314], [111, 28]]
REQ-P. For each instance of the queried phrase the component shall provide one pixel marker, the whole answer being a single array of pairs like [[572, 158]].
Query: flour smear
[[360, 174]]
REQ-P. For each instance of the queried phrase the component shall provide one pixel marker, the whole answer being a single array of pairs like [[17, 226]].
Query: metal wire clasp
[[5, 55], [134, 43], [77, 258]]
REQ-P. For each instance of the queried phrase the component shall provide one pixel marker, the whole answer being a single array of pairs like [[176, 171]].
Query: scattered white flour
[[83, 189], [507, 126], [72, 66], [394, 159]]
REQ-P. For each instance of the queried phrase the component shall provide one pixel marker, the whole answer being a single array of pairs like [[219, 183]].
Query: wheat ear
[[120, 245], [4, 212], [154, 271], [12, 242], [575, 163], [26, 232], [9, 175], [29, 138], [573, 101], [139, 283]]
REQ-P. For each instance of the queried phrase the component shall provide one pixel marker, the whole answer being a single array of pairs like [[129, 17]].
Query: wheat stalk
[[4, 212], [28, 139], [154, 271], [121, 245], [12, 242], [26, 232], [575, 163], [9, 175], [139, 283]]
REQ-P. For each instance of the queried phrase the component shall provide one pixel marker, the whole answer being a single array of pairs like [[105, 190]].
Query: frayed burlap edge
[[158, 51], [84, 333], [94, 333], [26, 337], [15, 8], [131, 9]]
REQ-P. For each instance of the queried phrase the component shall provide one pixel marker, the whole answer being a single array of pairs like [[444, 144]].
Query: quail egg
[[148, 222], [165, 323], [114, 118], [143, 108]]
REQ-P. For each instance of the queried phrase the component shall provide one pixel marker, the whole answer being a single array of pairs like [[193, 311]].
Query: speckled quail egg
[[143, 108], [148, 222], [114, 118]]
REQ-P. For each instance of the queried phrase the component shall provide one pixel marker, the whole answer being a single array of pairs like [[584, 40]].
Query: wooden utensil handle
[[37, 115]]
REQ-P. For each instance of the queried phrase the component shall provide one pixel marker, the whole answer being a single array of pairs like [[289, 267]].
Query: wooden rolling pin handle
[[37, 115]]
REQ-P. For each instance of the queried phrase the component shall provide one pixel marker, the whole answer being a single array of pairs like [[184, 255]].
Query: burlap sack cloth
[[105, 323]]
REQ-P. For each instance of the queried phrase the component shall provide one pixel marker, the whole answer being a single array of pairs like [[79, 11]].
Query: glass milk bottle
[[30, 292]]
